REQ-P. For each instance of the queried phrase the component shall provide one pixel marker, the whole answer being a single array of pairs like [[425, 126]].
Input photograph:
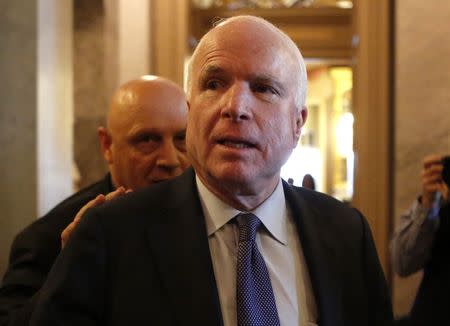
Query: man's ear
[[300, 120], [188, 106], [105, 141]]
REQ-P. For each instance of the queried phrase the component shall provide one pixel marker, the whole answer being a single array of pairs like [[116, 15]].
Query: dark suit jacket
[[432, 300], [33, 252], [144, 260]]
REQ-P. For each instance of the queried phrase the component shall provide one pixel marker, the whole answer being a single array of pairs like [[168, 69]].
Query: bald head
[[155, 93], [247, 30], [144, 142]]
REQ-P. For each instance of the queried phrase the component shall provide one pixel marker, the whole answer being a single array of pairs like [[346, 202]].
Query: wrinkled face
[[148, 144], [243, 124]]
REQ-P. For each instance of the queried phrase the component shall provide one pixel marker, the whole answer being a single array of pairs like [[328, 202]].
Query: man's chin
[[240, 179], [233, 177]]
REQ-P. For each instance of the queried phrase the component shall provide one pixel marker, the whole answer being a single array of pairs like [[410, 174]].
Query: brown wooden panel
[[319, 32]]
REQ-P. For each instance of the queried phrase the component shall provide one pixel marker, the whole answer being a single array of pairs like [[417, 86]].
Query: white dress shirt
[[278, 243]]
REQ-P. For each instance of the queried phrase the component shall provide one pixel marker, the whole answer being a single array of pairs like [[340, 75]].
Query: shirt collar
[[272, 212]]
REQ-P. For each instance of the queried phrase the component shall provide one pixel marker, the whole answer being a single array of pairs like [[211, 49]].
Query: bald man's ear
[[105, 143], [300, 120]]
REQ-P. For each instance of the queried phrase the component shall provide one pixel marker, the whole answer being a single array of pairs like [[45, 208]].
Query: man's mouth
[[160, 180], [236, 144]]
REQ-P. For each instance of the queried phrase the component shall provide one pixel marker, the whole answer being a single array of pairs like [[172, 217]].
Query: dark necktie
[[255, 300]]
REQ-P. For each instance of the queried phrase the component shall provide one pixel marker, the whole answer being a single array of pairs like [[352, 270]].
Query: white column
[[55, 102], [134, 38]]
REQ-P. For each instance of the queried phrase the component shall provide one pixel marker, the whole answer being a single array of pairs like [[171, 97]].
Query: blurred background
[[378, 95]]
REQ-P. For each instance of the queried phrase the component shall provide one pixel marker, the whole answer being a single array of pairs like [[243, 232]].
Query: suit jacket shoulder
[[48, 228], [348, 282], [136, 258], [160, 200], [327, 212], [35, 248]]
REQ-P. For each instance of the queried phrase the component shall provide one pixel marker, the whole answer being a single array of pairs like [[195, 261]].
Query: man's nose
[[168, 157], [237, 102]]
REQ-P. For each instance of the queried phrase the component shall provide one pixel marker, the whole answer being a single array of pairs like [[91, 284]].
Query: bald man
[[227, 242], [143, 144]]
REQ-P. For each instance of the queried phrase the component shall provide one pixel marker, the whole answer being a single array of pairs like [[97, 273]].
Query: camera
[[446, 170]]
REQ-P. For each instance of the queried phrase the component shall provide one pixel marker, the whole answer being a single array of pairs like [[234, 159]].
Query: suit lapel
[[320, 257], [181, 251], [179, 245]]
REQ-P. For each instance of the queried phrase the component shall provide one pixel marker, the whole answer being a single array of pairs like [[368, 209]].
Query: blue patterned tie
[[255, 300]]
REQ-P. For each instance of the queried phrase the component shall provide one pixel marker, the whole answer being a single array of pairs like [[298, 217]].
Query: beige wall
[[90, 84], [169, 38], [134, 39], [54, 103], [18, 195], [422, 97], [35, 113]]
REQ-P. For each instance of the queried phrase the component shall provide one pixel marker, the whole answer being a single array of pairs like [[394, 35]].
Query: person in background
[[143, 144], [227, 242], [422, 241], [308, 182]]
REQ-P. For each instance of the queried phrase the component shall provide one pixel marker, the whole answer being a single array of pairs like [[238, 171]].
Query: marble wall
[[36, 112], [18, 107], [90, 98], [422, 103]]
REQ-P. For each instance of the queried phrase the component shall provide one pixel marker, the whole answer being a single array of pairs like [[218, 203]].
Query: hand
[[445, 192], [65, 235], [432, 180]]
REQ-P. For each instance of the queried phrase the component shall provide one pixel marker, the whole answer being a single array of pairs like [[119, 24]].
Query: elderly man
[[143, 144], [229, 242]]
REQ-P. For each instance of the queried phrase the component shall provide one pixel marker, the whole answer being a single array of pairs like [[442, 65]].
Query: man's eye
[[213, 84], [262, 88], [180, 137], [148, 138]]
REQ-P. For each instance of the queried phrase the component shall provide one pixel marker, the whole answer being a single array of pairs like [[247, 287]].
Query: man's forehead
[[248, 40], [150, 114], [269, 67], [240, 47], [211, 70]]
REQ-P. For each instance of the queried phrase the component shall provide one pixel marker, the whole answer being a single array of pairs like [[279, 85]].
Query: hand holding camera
[[435, 178]]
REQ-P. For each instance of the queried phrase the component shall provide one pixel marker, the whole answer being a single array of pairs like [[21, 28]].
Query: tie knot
[[248, 225]]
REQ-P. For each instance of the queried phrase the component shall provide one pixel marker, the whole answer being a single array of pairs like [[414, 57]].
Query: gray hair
[[294, 51]]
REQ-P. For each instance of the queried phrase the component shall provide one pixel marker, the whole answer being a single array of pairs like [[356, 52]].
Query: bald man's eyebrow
[[213, 69], [140, 132]]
